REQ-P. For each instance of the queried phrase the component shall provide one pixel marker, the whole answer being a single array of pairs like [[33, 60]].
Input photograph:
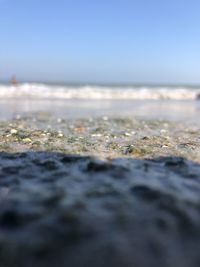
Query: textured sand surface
[[128, 196]]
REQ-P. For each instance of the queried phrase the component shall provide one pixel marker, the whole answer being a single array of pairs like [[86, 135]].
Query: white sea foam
[[44, 91]]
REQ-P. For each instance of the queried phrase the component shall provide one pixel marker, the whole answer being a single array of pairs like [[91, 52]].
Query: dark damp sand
[[128, 196]]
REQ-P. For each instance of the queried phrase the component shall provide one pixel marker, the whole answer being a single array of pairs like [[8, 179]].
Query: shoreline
[[171, 110]]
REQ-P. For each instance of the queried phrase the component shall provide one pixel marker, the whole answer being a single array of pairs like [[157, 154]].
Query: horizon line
[[100, 83]]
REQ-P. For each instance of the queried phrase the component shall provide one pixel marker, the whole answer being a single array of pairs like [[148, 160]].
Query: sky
[[100, 41]]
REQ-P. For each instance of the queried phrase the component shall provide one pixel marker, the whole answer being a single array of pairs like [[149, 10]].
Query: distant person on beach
[[13, 81]]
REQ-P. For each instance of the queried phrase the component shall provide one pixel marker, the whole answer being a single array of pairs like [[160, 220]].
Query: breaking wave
[[44, 91]]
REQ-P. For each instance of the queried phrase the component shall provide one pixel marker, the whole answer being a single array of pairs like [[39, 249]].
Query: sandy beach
[[99, 133], [99, 191], [102, 137]]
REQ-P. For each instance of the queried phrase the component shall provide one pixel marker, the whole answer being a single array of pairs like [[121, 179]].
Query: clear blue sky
[[145, 41]]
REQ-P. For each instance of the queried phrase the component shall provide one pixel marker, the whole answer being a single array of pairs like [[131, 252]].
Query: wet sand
[[144, 109], [99, 191]]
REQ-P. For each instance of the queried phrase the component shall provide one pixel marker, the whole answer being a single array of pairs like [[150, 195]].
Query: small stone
[[145, 138], [13, 131], [163, 131], [27, 140], [96, 135]]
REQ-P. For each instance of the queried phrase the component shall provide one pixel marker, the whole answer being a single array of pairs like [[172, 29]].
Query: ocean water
[[45, 91], [70, 101]]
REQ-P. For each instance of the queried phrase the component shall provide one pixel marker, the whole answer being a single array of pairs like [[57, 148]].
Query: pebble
[[13, 131], [163, 131], [96, 135], [27, 140]]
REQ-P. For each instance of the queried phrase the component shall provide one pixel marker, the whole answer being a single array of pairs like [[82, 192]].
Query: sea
[[163, 102]]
